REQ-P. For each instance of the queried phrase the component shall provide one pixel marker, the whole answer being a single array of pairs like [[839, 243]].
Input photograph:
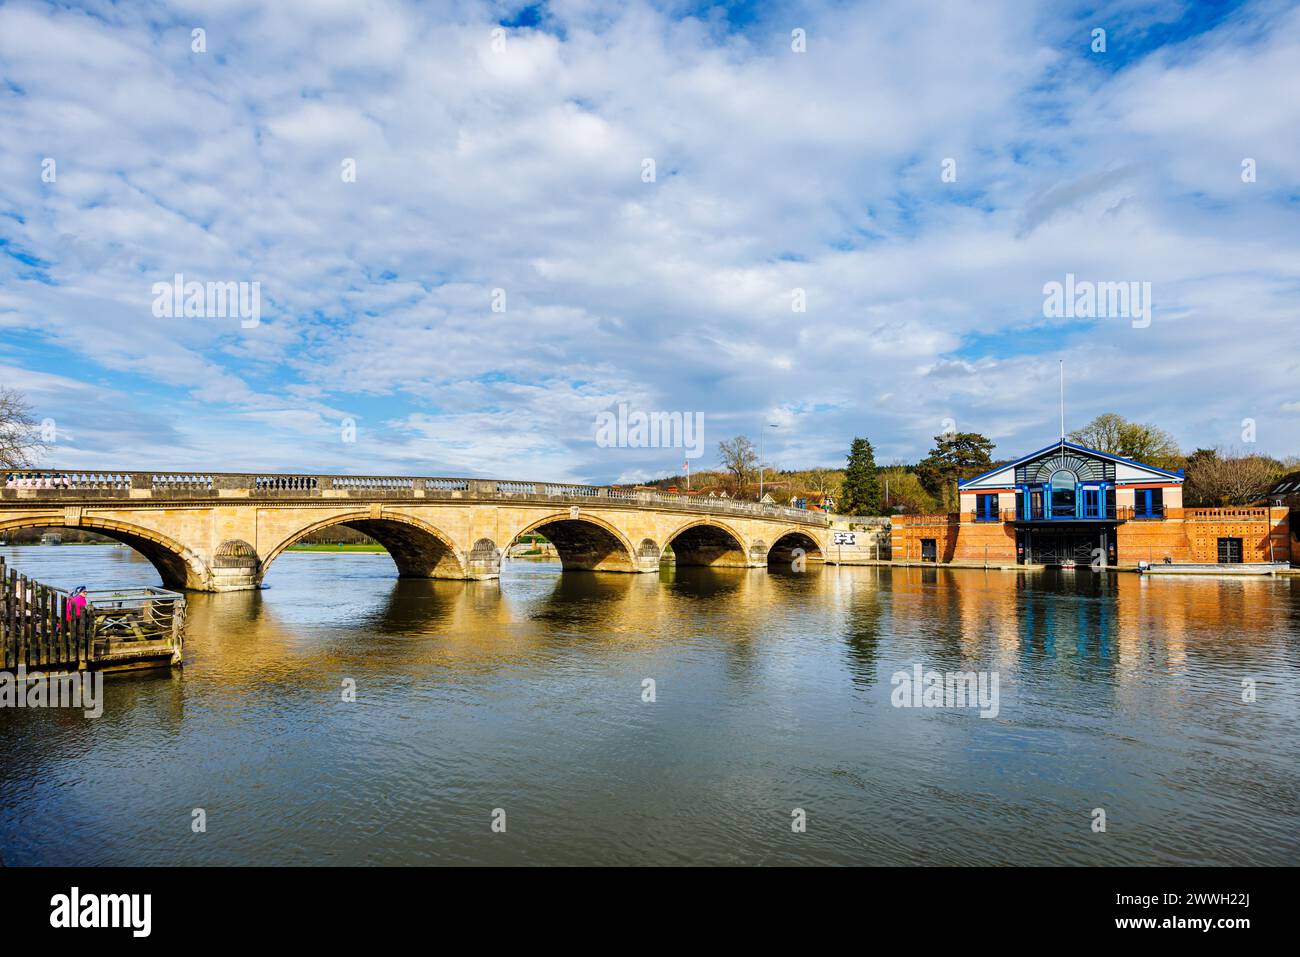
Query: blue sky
[[519, 168]]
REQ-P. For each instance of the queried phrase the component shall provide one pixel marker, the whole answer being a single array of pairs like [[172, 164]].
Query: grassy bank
[[335, 548]]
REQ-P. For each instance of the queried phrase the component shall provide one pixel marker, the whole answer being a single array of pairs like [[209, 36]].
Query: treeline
[[32, 536], [1213, 476]]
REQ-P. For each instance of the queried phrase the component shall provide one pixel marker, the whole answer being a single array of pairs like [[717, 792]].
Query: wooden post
[[83, 642], [61, 630], [42, 625], [10, 623], [24, 621], [4, 616]]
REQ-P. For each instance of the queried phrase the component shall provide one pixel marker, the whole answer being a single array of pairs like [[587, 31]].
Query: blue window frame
[[1150, 502], [1063, 487], [1092, 503], [986, 507]]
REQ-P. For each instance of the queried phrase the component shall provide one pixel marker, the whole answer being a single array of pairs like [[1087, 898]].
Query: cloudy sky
[[503, 147]]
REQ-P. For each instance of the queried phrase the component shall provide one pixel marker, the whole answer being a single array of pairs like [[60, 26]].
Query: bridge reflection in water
[[772, 692]]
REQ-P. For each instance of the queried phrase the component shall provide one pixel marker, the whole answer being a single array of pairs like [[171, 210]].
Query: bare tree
[[825, 482], [1132, 440], [1216, 478], [738, 457], [20, 443]]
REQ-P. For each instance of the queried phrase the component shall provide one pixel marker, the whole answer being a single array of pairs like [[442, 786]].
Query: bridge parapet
[[73, 486]]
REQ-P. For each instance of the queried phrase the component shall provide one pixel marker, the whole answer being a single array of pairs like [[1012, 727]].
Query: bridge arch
[[177, 566], [793, 549], [418, 549], [585, 542], [709, 542]]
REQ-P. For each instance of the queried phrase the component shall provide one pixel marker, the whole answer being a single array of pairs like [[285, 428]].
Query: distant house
[[1286, 491], [50, 538]]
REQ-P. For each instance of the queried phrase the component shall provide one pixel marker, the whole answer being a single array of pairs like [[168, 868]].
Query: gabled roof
[[1062, 444], [1287, 485]]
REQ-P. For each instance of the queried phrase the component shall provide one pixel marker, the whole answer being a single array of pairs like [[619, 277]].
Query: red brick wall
[[978, 540], [1138, 540], [908, 531], [1256, 528], [1185, 535]]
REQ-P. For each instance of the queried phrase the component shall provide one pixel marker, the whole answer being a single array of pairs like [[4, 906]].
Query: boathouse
[[1070, 505]]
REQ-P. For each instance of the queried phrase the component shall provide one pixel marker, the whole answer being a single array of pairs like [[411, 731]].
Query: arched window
[[1062, 486]]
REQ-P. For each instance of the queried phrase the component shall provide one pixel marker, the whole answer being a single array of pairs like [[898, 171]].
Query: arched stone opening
[[794, 550], [418, 550], [585, 545], [709, 545], [177, 566]]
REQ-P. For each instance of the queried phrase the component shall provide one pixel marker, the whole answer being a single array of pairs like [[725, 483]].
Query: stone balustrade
[[77, 485]]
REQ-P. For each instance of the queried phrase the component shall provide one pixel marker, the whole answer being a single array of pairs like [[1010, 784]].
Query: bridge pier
[[483, 561]]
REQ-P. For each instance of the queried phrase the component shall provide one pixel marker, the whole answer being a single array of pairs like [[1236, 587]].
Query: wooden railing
[[35, 630], [76, 486], [117, 626]]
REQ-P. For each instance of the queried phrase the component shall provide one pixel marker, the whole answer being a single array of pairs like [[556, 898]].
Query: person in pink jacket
[[77, 603]]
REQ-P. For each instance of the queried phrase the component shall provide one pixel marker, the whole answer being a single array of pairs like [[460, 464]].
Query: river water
[[772, 693]]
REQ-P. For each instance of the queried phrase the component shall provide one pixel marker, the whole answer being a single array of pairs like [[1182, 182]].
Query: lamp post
[[761, 433]]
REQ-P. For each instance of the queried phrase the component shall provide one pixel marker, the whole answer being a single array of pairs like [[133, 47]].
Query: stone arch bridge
[[222, 531]]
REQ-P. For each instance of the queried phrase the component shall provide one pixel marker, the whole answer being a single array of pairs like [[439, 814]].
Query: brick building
[[1066, 504], [1286, 493]]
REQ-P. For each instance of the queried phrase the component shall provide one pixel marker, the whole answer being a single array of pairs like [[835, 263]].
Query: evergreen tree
[[956, 455], [860, 491]]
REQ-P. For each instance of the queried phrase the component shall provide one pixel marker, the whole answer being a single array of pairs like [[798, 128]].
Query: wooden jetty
[[120, 628]]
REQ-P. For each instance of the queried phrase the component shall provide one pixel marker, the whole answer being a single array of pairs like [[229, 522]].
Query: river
[[523, 700]]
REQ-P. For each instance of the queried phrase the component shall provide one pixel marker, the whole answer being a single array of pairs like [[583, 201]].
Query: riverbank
[[336, 548]]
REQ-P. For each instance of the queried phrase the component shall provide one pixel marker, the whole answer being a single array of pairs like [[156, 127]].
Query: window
[[929, 551], [986, 507], [1230, 551], [1062, 486], [1036, 503], [1150, 502], [1092, 503]]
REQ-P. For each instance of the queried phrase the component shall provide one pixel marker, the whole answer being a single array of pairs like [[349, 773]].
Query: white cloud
[[521, 170]]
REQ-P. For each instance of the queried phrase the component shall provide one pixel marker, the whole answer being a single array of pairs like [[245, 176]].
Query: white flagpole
[[1062, 400]]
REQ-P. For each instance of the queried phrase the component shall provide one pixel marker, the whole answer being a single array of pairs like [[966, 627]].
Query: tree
[[738, 457], [860, 491], [825, 482], [1131, 440], [956, 455], [1216, 478], [19, 441], [904, 492]]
